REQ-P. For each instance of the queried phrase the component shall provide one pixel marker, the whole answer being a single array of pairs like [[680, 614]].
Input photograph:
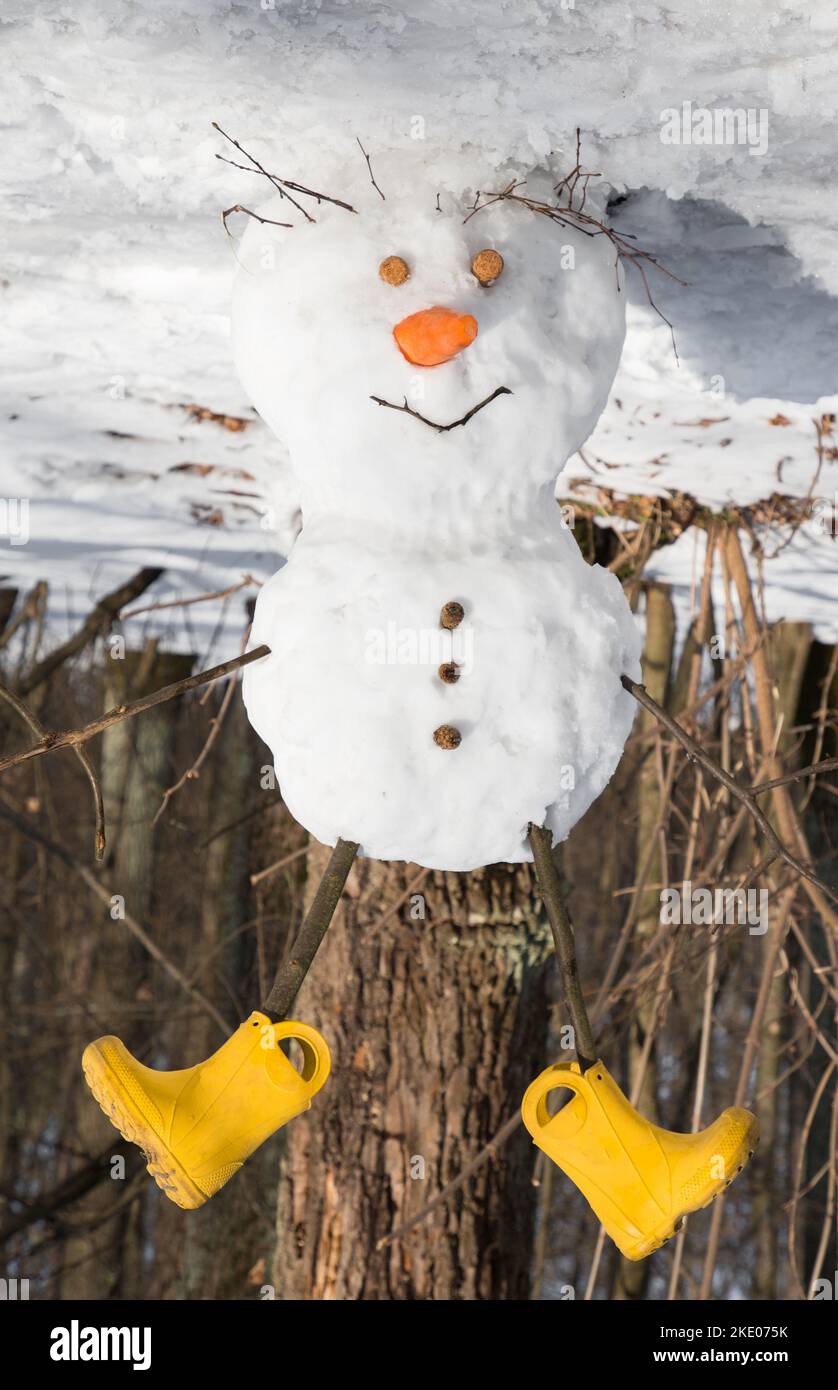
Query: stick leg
[[293, 971], [561, 926]]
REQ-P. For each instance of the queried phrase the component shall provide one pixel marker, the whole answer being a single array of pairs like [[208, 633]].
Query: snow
[[116, 272], [399, 519], [732, 420]]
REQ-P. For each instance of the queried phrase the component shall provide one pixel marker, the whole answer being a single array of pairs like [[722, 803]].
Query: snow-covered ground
[[732, 419], [115, 271]]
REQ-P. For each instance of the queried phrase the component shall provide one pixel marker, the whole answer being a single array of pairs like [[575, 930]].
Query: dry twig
[[443, 429], [81, 753], [369, 169], [284, 187], [69, 738], [567, 212]]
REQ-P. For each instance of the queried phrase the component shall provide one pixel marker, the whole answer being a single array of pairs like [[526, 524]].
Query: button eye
[[487, 266], [394, 271]]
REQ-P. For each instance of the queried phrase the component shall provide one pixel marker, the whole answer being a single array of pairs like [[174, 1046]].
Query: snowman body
[[400, 520]]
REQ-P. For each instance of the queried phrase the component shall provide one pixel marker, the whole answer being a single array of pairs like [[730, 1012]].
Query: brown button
[[452, 615], [446, 736], [393, 270], [449, 672], [487, 266]]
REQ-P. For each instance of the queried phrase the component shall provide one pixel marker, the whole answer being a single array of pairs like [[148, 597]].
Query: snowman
[[444, 666], [443, 677]]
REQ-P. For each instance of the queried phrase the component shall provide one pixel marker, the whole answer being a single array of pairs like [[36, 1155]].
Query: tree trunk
[[436, 1015], [788, 649], [226, 1239], [106, 1261], [632, 1276], [819, 692]]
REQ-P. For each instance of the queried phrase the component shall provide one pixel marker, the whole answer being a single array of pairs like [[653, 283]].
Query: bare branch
[[825, 765], [697, 754], [369, 168], [239, 207], [282, 186], [552, 895], [488, 1152], [567, 212], [103, 893], [293, 971], [81, 753], [198, 598], [278, 864], [99, 620], [69, 738], [443, 429]]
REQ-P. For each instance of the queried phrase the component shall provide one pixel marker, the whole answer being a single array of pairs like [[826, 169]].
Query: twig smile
[[442, 429]]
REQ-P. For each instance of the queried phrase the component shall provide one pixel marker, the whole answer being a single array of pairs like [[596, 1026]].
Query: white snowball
[[399, 519]]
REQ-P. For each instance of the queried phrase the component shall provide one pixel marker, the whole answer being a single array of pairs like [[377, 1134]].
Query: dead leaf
[[203, 470], [704, 423], [206, 515], [234, 423], [779, 420]]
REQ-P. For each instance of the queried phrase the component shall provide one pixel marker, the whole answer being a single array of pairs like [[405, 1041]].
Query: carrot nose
[[434, 335]]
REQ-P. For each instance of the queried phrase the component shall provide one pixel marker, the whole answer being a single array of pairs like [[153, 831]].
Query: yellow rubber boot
[[640, 1180], [198, 1125]]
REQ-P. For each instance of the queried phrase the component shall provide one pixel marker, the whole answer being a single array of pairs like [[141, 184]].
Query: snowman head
[[411, 301]]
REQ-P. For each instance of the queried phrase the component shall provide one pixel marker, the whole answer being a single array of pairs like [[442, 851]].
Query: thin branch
[[278, 864], [442, 429], [697, 754], [825, 765], [37, 728], [293, 971], [197, 598], [99, 889], [98, 620], [505, 1132], [402, 899], [193, 772], [27, 611], [369, 168], [282, 186], [259, 810], [568, 213], [266, 221], [71, 737], [48, 1206], [552, 895]]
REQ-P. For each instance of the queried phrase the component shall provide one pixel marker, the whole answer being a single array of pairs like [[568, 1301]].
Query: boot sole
[[116, 1103], [673, 1224]]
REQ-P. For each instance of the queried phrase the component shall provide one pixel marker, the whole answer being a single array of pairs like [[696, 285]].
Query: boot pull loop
[[317, 1060], [534, 1110]]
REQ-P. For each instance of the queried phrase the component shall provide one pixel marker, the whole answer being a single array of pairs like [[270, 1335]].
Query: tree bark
[[437, 1020], [788, 649]]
